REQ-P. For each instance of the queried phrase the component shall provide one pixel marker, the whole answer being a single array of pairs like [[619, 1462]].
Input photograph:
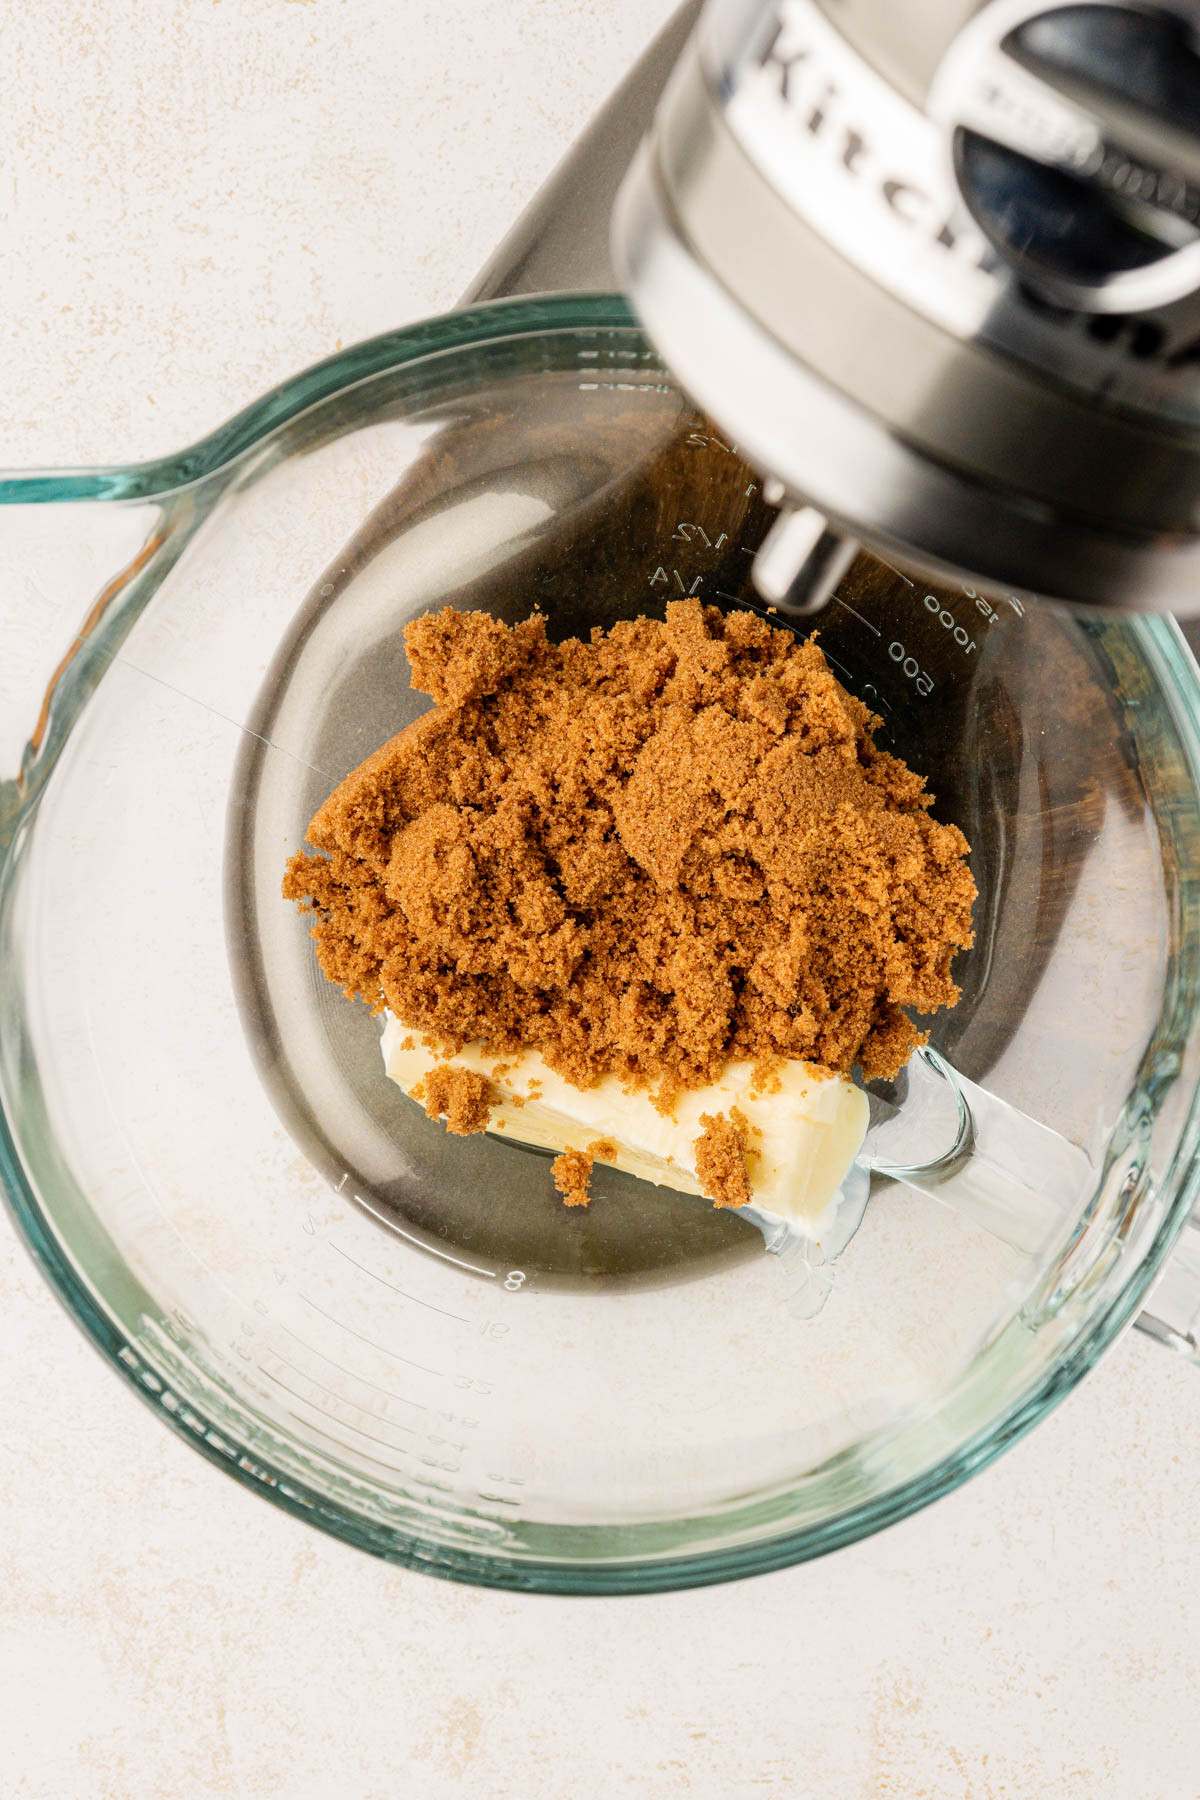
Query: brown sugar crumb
[[645, 855], [721, 1158], [460, 1096], [572, 1171], [765, 1079]]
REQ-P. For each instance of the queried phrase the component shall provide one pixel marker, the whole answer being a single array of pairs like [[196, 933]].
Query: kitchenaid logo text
[[820, 106]]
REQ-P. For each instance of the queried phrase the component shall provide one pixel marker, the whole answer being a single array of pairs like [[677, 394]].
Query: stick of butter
[[804, 1136]]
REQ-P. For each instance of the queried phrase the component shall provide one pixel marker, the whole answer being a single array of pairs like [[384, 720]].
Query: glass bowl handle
[[75, 573], [85, 548], [1172, 1313]]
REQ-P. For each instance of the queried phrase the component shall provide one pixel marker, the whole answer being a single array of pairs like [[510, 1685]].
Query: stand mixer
[[959, 240], [941, 350]]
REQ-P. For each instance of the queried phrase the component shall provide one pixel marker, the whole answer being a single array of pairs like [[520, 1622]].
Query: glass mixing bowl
[[406, 1339]]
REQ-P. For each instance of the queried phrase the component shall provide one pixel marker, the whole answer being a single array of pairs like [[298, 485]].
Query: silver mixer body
[[935, 268]]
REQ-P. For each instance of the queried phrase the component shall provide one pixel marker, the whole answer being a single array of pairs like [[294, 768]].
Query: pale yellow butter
[[805, 1135]]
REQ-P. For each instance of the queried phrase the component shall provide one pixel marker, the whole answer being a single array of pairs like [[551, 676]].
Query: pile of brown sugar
[[644, 855]]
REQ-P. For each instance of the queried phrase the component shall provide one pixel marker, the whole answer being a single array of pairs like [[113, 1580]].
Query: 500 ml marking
[[921, 680]]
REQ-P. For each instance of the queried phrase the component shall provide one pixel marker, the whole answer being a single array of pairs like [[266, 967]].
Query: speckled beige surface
[[196, 199]]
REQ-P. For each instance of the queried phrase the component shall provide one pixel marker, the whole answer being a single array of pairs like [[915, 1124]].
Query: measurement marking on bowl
[[393, 1468], [346, 1424], [404, 1467], [403, 1292], [837, 665], [838, 601], [352, 1373], [149, 675], [304, 1375], [892, 567], [411, 1238], [425, 1370]]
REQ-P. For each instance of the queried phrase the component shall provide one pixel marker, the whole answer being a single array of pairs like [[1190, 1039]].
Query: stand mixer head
[[936, 269]]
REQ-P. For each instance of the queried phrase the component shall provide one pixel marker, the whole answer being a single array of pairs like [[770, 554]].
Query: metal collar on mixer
[[804, 244]]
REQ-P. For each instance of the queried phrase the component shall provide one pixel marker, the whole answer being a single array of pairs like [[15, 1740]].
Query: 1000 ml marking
[[921, 679], [948, 622]]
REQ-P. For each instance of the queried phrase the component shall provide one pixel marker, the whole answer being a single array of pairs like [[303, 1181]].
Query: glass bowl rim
[[465, 329]]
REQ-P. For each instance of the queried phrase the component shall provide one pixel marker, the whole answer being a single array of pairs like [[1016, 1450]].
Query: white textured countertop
[[196, 199]]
